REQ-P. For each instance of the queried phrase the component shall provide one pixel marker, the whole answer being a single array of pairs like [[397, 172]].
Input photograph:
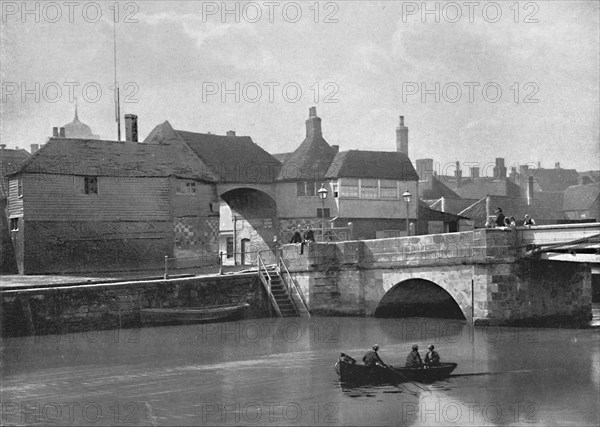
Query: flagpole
[[117, 97]]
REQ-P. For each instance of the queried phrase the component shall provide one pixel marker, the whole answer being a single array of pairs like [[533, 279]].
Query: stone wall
[[109, 306]]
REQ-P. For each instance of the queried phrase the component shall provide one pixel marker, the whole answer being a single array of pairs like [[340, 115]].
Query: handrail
[[304, 304], [267, 284]]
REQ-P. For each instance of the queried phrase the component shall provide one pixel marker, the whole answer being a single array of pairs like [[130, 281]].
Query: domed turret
[[78, 129]]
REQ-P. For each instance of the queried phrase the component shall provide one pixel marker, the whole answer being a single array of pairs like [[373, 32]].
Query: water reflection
[[280, 372]]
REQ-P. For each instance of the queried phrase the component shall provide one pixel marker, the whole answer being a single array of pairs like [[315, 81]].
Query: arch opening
[[418, 298], [248, 223]]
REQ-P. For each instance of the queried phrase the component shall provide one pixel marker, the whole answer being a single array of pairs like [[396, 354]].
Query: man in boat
[[371, 358], [413, 360], [432, 358]]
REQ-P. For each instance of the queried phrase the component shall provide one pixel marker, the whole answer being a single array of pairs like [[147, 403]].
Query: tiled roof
[[310, 161], [114, 158], [281, 156], [554, 179], [512, 206], [372, 164], [580, 197], [477, 188], [233, 158], [433, 188]]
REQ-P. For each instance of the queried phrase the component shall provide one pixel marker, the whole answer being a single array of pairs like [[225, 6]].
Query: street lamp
[[406, 196], [322, 195]]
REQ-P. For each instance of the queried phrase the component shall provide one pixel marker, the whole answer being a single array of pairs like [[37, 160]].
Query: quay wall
[[65, 309]]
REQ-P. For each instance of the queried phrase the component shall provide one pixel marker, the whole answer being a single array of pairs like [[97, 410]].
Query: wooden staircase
[[283, 299]]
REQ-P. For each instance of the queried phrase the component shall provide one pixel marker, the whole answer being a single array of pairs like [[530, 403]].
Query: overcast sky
[[365, 66]]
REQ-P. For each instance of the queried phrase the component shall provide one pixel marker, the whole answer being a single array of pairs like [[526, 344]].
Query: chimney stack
[[557, 165], [34, 148], [230, 133], [424, 169], [530, 190], [61, 132], [513, 174], [499, 169], [131, 128], [55, 132], [458, 174], [402, 137], [2, 146], [313, 124], [474, 172]]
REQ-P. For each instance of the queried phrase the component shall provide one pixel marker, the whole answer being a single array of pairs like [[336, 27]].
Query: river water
[[280, 372]]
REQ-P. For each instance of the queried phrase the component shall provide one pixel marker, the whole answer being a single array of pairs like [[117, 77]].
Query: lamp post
[[406, 196], [322, 192]]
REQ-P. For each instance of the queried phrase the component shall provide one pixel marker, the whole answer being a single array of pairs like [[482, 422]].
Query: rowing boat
[[350, 372], [190, 315]]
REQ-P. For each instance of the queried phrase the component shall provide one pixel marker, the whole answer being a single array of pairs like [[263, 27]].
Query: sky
[[474, 81]]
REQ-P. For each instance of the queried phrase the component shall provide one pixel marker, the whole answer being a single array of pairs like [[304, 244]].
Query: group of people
[[413, 360], [308, 236], [505, 221]]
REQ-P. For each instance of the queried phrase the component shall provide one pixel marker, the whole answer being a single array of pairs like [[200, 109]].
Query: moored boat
[[350, 372], [191, 315]]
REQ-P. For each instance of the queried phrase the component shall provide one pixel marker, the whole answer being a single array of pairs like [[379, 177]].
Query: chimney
[[230, 133], [557, 165], [458, 174], [402, 137], [530, 190], [131, 128], [55, 132], [61, 132], [513, 174], [424, 168], [474, 172], [34, 148], [313, 124], [2, 146], [499, 169], [335, 149]]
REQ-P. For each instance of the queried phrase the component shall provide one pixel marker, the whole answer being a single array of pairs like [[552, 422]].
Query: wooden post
[[166, 267]]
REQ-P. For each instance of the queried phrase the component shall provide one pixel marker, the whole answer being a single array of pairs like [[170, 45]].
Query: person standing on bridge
[[499, 218], [528, 221], [371, 358], [296, 236], [413, 360]]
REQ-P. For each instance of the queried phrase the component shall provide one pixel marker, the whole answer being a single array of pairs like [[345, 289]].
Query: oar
[[404, 376]]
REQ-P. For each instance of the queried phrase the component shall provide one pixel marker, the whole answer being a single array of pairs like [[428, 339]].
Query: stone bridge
[[486, 276]]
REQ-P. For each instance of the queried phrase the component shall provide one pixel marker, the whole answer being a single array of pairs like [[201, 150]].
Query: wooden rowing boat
[[191, 315], [350, 372]]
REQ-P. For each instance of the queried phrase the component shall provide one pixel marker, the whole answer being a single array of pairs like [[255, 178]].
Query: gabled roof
[[372, 164], [581, 197], [557, 179], [225, 158], [511, 206], [309, 161], [95, 157], [433, 188], [476, 188], [451, 205]]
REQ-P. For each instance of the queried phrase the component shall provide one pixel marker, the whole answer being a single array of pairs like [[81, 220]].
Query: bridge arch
[[249, 221], [416, 297]]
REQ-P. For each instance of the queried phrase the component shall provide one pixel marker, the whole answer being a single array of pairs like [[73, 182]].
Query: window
[[186, 187], [336, 192], [14, 224], [306, 188], [20, 187], [349, 187], [229, 247], [388, 189], [90, 185], [321, 211], [369, 189]]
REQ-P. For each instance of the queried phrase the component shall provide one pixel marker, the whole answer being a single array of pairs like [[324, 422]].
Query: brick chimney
[[402, 137], [424, 169], [61, 132], [313, 124], [55, 132], [34, 148], [230, 133], [513, 174], [131, 128], [458, 174], [557, 165], [474, 172], [499, 169]]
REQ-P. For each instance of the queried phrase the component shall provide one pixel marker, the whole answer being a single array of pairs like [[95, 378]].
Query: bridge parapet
[[468, 247]]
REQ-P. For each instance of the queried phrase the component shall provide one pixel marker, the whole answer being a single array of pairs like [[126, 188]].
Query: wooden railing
[[266, 281], [291, 284]]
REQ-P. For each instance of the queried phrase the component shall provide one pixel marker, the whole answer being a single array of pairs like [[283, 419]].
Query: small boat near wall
[[192, 315]]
